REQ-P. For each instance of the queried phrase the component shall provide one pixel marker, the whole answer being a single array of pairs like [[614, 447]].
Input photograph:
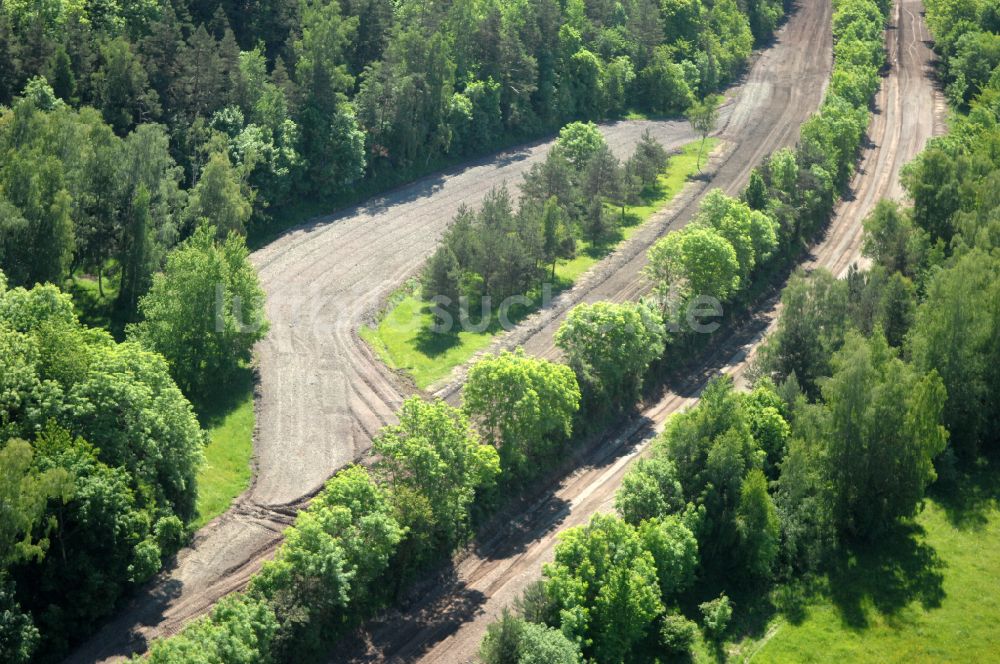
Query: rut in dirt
[[323, 394], [447, 623]]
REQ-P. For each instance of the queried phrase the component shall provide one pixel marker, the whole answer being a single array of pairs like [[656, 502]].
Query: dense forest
[[142, 141], [145, 140], [102, 448], [372, 531], [128, 123]]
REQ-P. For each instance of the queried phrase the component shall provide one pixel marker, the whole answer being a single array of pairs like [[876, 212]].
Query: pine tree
[[61, 75], [441, 279]]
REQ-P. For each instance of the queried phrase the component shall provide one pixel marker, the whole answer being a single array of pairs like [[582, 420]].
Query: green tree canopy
[[610, 346], [757, 523], [218, 198], [579, 141], [650, 489], [703, 116], [603, 581], [434, 453], [882, 434], [692, 262], [513, 640], [204, 313], [330, 561], [521, 405], [954, 335]]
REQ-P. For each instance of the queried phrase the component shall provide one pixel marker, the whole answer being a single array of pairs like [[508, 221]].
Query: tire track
[[447, 625], [323, 394]]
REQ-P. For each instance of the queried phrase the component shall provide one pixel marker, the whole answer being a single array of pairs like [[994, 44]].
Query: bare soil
[[447, 623], [323, 394]]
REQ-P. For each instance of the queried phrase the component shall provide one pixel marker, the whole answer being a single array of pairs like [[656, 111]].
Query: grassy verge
[[228, 419], [926, 596], [225, 474], [403, 337]]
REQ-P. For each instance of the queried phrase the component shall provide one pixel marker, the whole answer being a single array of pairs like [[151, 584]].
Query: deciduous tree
[[433, 453], [703, 116], [610, 346], [204, 313], [604, 583], [523, 406]]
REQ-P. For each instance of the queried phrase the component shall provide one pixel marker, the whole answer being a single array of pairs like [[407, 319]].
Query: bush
[[677, 634], [536, 606], [716, 615], [169, 533], [240, 630], [513, 640]]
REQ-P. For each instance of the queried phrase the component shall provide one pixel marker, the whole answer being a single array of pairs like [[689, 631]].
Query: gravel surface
[[323, 394], [447, 623]]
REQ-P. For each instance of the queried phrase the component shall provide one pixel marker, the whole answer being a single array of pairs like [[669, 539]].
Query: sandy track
[[447, 624], [783, 88], [323, 394]]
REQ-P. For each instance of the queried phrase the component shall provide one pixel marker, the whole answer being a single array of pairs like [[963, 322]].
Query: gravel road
[[322, 394], [447, 624]]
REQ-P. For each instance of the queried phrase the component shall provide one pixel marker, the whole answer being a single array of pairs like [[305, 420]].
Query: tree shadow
[[652, 193], [444, 604], [753, 609], [432, 342], [213, 408], [95, 310], [603, 247], [886, 575], [968, 499]]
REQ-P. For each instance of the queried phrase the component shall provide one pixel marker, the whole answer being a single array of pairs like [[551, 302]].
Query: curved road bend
[[783, 88], [447, 625], [322, 393]]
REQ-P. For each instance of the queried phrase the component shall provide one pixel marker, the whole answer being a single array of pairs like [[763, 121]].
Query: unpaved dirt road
[[783, 88], [322, 394], [447, 624]]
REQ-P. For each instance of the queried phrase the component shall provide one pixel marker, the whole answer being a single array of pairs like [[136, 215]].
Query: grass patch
[[228, 418], [225, 474], [403, 337], [926, 595]]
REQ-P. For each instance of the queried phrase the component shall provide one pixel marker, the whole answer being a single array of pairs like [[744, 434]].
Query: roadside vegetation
[[405, 336], [836, 508], [225, 473], [142, 142], [862, 457]]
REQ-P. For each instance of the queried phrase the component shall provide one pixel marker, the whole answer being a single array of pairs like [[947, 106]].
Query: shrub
[[677, 634], [716, 615]]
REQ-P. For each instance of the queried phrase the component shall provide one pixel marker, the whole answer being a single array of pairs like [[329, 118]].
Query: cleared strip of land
[[447, 624], [323, 394]]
